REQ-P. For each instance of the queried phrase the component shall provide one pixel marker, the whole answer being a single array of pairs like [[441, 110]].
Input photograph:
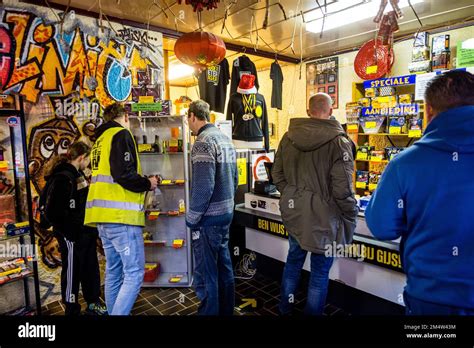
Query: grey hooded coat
[[313, 171]]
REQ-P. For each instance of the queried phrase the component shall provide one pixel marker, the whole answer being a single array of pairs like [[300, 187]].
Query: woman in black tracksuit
[[77, 243]]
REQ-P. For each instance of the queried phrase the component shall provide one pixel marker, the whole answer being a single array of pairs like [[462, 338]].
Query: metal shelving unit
[[166, 206], [12, 122]]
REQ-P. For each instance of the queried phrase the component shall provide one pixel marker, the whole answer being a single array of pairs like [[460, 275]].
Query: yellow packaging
[[405, 99], [384, 102], [371, 92], [364, 102]]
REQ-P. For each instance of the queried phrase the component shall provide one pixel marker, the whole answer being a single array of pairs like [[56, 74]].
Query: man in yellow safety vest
[[115, 204]]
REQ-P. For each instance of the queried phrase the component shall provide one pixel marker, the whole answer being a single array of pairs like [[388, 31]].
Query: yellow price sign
[[166, 182], [372, 187], [361, 156], [414, 133], [242, 170], [352, 127], [146, 99], [375, 159], [361, 185], [371, 69], [370, 124], [395, 130]]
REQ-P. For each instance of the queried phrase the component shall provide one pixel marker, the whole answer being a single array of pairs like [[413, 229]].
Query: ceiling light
[[347, 14], [179, 70]]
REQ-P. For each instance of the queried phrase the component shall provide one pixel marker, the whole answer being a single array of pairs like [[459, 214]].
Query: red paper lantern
[[200, 49]]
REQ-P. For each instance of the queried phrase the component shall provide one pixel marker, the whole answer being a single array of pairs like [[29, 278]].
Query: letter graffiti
[[36, 59]]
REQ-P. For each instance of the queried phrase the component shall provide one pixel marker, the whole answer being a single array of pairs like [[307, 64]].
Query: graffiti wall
[[68, 68]]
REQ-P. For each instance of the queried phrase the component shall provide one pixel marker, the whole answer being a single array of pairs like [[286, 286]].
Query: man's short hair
[[200, 109], [450, 90], [113, 112], [320, 103]]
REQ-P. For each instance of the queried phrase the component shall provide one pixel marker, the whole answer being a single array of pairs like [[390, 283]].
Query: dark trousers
[[414, 306], [213, 273], [80, 266]]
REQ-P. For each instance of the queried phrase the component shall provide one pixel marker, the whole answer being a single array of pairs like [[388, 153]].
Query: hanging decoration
[[373, 60], [200, 5], [376, 57], [200, 49]]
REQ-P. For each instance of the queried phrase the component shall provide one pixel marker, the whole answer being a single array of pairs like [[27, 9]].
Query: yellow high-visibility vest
[[107, 201]]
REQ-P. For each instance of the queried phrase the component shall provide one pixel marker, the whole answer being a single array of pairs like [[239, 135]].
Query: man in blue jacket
[[426, 197]]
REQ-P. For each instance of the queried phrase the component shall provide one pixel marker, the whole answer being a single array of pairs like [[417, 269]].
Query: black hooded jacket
[[68, 200], [124, 171]]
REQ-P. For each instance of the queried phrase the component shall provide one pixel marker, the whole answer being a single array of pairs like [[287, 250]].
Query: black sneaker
[[96, 309]]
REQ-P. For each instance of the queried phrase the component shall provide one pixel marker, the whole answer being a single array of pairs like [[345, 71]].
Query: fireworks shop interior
[[257, 64]]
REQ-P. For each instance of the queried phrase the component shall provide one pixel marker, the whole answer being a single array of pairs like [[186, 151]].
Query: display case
[[163, 143], [19, 283]]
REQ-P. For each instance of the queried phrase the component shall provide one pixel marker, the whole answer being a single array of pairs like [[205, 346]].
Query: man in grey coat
[[313, 171]]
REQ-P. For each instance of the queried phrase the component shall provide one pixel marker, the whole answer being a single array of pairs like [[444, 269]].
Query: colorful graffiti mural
[[38, 57], [67, 73]]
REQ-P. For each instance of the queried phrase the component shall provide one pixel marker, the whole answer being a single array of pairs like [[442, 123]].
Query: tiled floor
[[183, 301]]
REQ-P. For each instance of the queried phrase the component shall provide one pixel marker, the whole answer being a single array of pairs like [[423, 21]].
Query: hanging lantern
[[199, 5], [200, 49]]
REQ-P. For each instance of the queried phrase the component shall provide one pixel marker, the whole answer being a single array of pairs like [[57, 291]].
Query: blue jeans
[[125, 265], [213, 273], [414, 306], [318, 281]]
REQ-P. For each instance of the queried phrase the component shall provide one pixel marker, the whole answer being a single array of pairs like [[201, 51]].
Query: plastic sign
[[147, 107], [13, 121], [391, 81], [400, 110]]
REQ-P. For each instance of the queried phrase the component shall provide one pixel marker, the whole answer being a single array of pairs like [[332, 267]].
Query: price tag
[[145, 147], [166, 182], [372, 187], [395, 130], [375, 159], [361, 156], [361, 185], [352, 127], [370, 124], [146, 99], [155, 213], [371, 69], [414, 133]]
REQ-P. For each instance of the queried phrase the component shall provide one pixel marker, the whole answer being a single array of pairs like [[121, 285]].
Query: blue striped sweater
[[214, 179]]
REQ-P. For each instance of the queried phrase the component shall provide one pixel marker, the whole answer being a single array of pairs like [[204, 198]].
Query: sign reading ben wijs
[[391, 81], [399, 110]]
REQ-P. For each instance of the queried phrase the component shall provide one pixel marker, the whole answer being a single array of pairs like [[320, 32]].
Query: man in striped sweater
[[214, 182]]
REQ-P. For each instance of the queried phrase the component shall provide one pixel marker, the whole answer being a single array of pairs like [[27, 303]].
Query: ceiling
[[245, 17]]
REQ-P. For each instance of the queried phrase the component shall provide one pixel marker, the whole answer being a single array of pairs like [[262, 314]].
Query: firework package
[[391, 152]]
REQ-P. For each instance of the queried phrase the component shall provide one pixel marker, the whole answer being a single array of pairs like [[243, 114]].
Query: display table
[[371, 266]]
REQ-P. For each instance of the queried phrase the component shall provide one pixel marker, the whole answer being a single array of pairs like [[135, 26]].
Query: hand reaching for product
[[153, 182]]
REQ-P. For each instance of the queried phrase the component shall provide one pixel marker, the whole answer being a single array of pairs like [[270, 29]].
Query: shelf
[[388, 134], [162, 281], [164, 213], [160, 154], [23, 276], [5, 237], [162, 244], [22, 312], [371, 161], [156, 116]]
